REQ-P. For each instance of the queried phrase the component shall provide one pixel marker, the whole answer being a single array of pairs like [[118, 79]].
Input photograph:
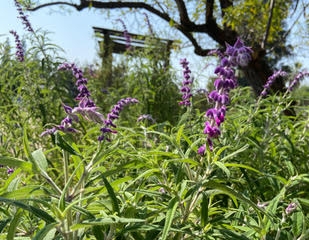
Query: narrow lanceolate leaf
[[233, 194], [172, 207], [46, 233], [16, 163], [64, 145], [271, 210], [179, 134], [204, 210], [36, 211], [13, 225], [235, 153], [97, 232], [223, 168], [108, 220], [40, 159], [3, 223], [112, 195], [297, 223]]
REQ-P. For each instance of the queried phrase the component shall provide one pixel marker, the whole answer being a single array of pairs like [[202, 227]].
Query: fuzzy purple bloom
[[19, 47], [201, 150], [186, 84], [237, 55], [300, 76], [146, 117], [10, 171], [23, 17], [81, 82], [291, 208], [114, 114], [86, 107], [271, 80]]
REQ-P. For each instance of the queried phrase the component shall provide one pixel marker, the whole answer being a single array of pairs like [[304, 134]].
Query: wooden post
[[107, 59]]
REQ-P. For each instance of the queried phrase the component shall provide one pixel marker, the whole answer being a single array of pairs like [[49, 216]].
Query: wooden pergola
[[112, 41]]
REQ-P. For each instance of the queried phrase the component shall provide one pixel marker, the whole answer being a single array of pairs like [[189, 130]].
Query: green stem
[[51, 182], [69, 219]]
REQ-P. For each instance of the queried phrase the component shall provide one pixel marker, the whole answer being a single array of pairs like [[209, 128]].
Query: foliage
[[144, 73], [31, 91], [149, 181]]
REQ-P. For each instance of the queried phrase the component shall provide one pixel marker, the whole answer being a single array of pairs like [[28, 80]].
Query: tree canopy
[[262, 24]]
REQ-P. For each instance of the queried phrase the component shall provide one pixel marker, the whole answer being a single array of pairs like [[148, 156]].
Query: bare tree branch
[[225, 4], [183, 13], [186, 26], [52, 4], [270, 17], [209, 10], [257, 71]]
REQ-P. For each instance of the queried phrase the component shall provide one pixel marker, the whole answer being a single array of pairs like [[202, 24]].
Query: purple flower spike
[[239, 54], [146, 117], [300, 76], [201, 150], [186, 84], [114, 114], [126, 34], [23, 17], [291, 208], [236, 55], [19, 47], [86, 107], [271, 80]]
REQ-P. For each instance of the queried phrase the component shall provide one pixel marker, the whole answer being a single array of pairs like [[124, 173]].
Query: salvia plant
[[237, 171]]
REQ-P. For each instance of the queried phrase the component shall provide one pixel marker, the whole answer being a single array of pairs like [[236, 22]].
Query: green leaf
[[179, 134], [64, 145], [224, 168], [171, 23], [218, 153], [172, 207], [204, 210], [15, 162], [3, 223], [230, 235], [145, 175], [26, 145], [65, 190], [36, 211], [233, 194], [235, 153], [271, 210], [97, 232], [239, 165], [108, 220], [297, 223], [21, 193], [112, 195], [13, 225], [46, 233], [40, 159]]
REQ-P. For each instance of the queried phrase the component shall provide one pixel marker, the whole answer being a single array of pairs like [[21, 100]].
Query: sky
[[74, 34], [71, 31]]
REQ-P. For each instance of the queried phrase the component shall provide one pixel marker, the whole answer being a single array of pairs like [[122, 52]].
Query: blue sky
[[73, 32]]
